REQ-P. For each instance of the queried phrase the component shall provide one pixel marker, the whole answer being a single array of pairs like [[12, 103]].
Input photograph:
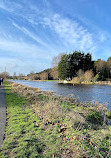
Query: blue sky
[[32, 32]]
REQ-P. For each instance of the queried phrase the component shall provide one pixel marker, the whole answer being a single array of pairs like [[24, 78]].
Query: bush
[[94, 118], [108, 114], [96, 78], [88, 76]]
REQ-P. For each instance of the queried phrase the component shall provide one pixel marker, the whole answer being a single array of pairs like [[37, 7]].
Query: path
[[2, 113]]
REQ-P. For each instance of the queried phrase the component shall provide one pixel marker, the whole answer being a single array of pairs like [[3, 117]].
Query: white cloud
[[71, 32]]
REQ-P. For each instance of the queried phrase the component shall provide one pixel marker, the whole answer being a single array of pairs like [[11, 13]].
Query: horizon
[[32, 33]]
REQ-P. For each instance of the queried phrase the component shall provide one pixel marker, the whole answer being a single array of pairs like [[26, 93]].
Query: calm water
[[85, 93]]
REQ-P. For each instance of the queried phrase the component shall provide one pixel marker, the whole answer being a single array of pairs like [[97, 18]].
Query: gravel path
[[2, 113]]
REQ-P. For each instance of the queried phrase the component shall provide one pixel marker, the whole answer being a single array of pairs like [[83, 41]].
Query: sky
[[32, 32]]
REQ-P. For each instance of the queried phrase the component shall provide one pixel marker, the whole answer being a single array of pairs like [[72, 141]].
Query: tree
[[109, 59], [54, 73], [70, 64], [80, 75], [44, 76], [108, 65], [54, 70], [14, 76], [88, 63], [101, 69], [64, 67], [57, 59], [4, 75], [20, 76]]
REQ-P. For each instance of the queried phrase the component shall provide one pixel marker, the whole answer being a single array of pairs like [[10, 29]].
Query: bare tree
[[20, 76], [80, 75], [4, 75], [108, 65], [54, 73], [14, 76], [44, 76], [55, 61], [100, 65], [34, 77], [101, 69]]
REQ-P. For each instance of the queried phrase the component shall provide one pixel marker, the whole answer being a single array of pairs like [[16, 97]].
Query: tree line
[[79, 63], [75, 66]]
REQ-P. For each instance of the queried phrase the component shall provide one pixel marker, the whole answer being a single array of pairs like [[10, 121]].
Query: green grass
[[40, 126], [20, 138]]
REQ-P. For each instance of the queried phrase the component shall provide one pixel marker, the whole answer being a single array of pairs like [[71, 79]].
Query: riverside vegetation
[[77, 67], [41, 125]]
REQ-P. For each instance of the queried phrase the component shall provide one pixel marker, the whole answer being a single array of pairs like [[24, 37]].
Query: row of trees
[[78, 66], [48, 74]]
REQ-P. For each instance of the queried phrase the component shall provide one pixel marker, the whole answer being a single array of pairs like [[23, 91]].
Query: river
[[84, 93]]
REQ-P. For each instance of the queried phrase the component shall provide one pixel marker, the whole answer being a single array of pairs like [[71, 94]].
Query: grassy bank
[[40, 125]]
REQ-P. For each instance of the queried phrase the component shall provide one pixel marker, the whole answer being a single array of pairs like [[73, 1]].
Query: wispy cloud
[[31, 35], [10, 6], [36, 32], [22, 49], [71, 32]]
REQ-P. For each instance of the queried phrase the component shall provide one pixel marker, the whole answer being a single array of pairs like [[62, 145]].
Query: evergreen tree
[[70, 64]]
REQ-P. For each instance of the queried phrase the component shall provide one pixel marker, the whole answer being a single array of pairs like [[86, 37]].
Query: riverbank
[[72, 82], [40, 124], [87, 83]]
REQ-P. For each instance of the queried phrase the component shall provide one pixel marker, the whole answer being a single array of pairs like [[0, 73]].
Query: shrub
[[96, 78], [94, 118], [108, 114], [75, 80], [88, 75]]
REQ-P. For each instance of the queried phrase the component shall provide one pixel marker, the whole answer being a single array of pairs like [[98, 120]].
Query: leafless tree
[[55, 61], [4, 75], [54, 73], [44, 76], [80, 75], [14, 76], [100, 65], [20, 76]]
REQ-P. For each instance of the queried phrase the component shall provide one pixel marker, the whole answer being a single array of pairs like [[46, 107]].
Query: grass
[[20, 139], [40, 125]]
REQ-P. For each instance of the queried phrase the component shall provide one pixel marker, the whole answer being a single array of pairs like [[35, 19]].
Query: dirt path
[[2, 113]]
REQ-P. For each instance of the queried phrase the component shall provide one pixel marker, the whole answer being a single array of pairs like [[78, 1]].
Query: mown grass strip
[[20, 138]]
